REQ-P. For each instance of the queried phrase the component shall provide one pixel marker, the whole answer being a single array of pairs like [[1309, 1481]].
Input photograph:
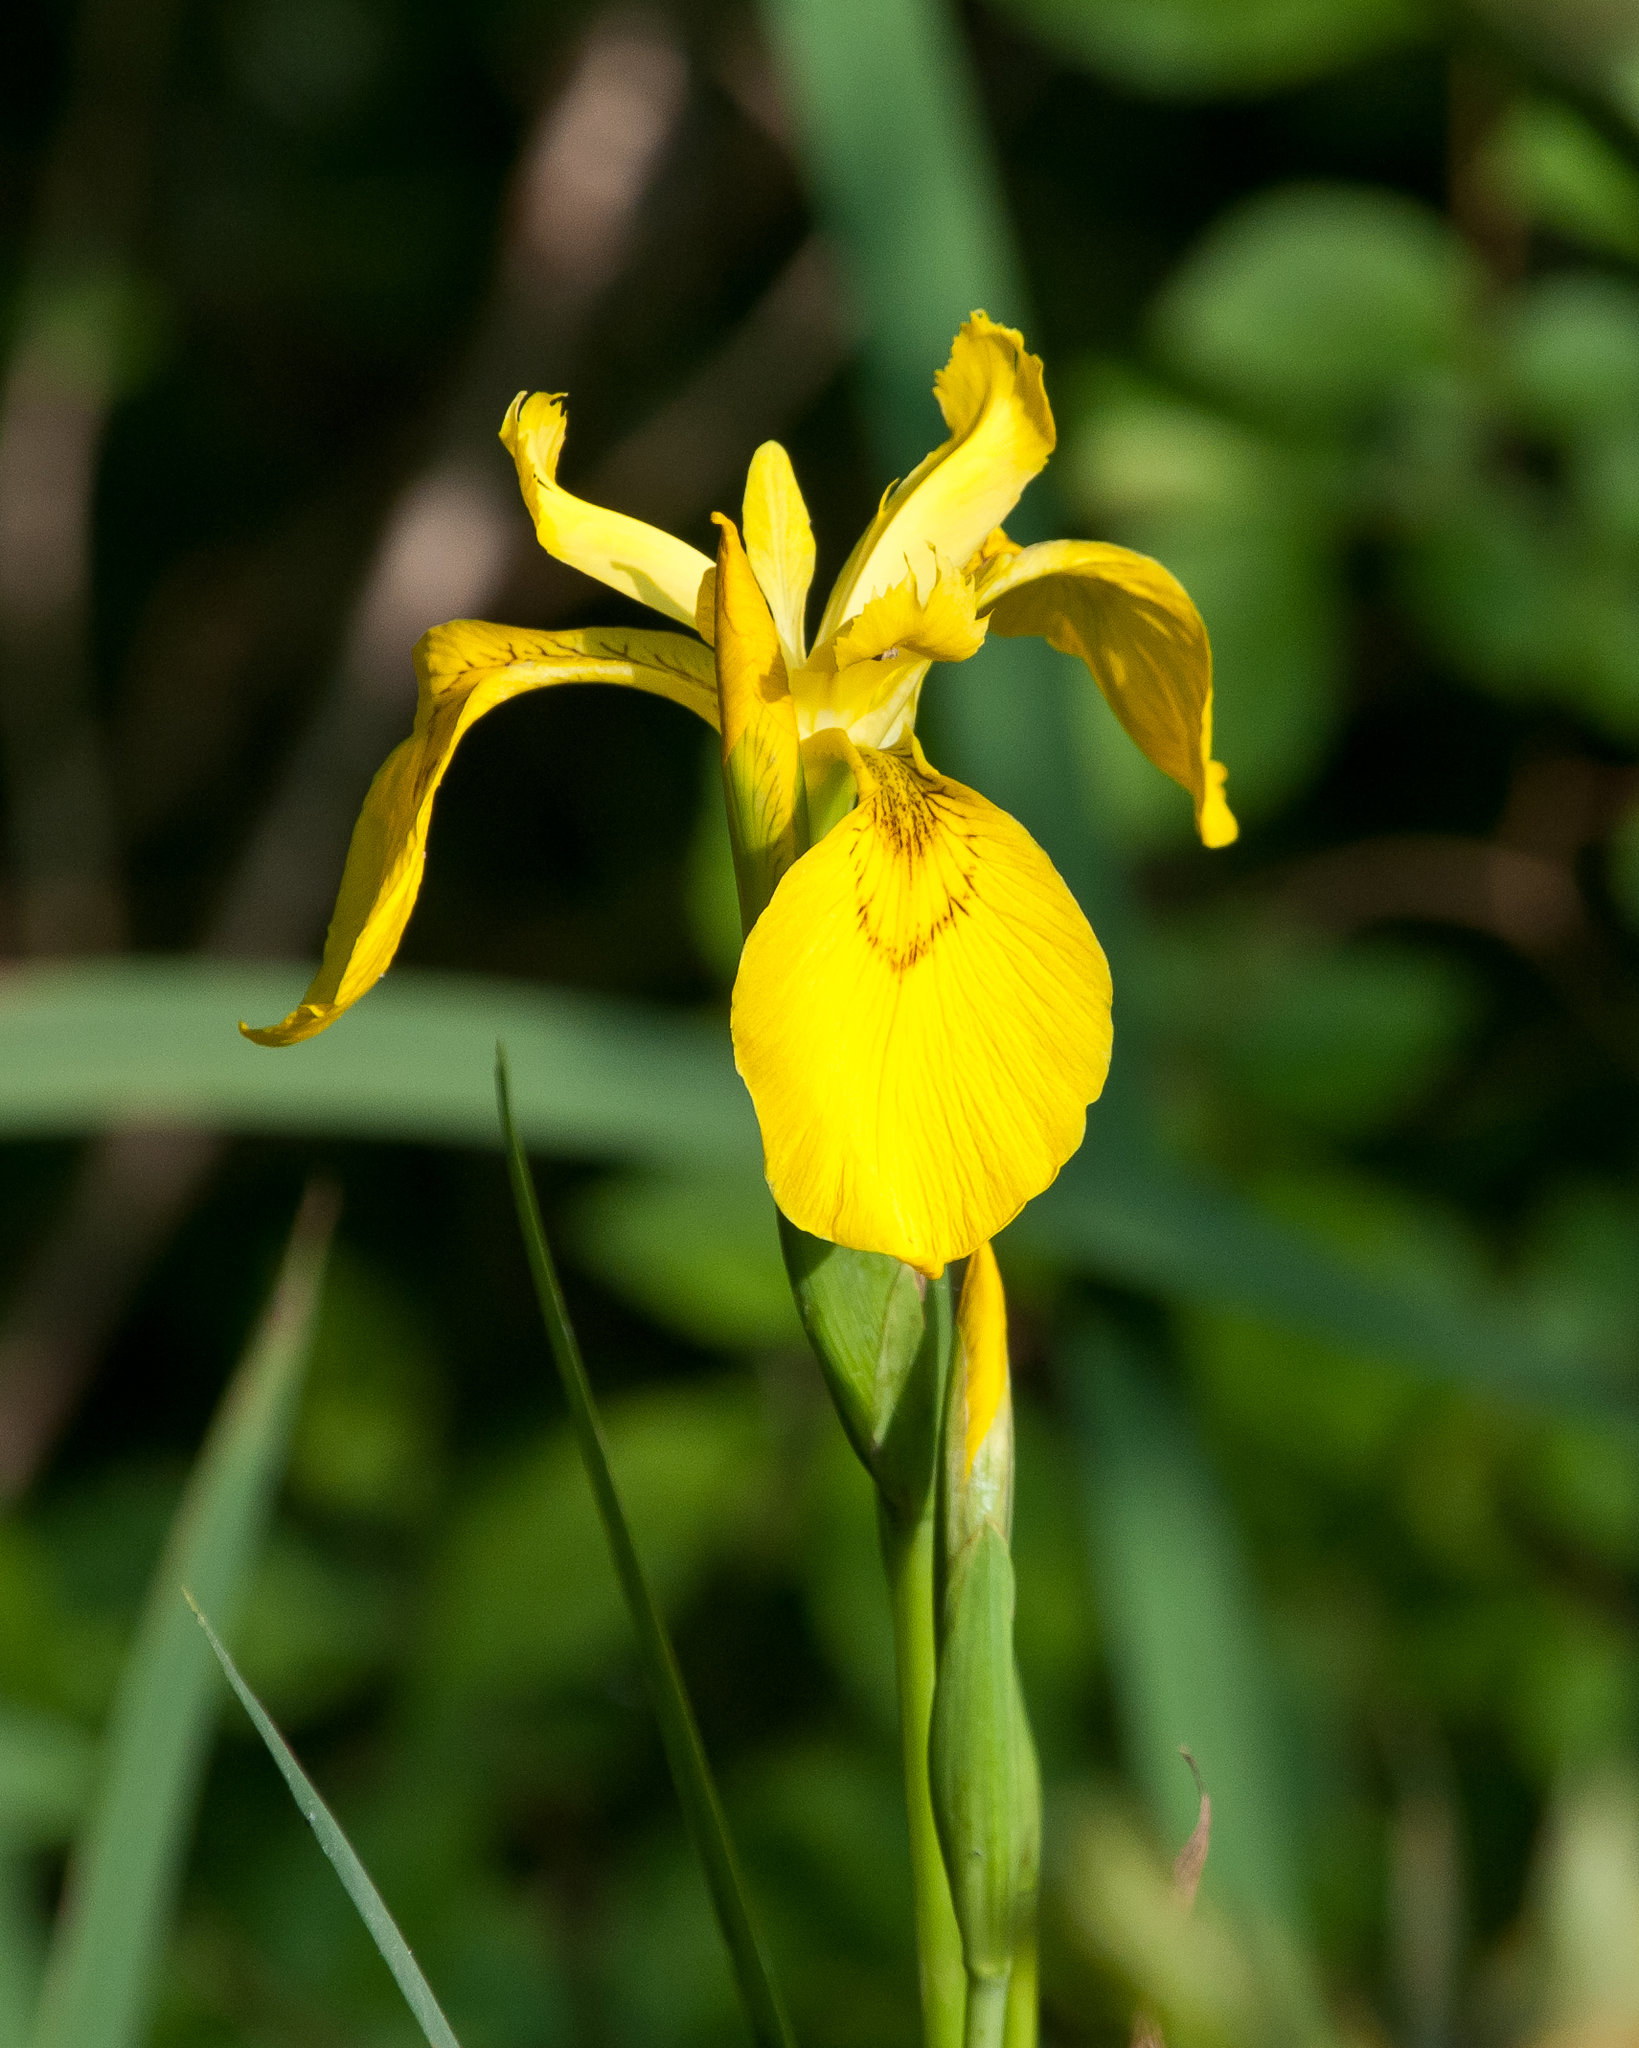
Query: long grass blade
[[691, 1773], [88, 1044], [395, 1950], [123, 1874]]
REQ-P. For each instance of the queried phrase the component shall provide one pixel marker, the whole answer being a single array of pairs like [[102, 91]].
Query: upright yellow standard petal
[[922, 1015], [463, 669], [981, 1333], [762, 761], [633, 558], [780, 543], [1134, 625], [1001, 434]]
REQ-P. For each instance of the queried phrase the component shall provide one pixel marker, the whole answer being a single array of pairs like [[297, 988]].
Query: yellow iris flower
[[922, 1013]]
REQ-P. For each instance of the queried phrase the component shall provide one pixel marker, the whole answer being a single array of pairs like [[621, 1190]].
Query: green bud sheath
[[982, 1764], [881, 1334], [983, 1778]]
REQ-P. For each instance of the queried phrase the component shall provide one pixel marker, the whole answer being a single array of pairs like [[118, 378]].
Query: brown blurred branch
[[79, 310]]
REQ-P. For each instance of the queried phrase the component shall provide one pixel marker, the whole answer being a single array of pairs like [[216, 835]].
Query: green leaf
[[395, 1950], [1206, 47], [90, 1044], [697, 1251], [1313, 303], [907, 180], [702, 1480], [1187, 1240], [122, 1879], [691, 1773], [1559, 172]]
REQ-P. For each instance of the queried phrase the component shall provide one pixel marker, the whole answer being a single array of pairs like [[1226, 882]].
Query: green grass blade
[[903, 170], [395, 1950], [685, 1752], [125, 1867]]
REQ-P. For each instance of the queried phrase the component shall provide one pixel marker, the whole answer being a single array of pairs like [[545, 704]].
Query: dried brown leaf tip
[[1186, 1882], [1191, 1858]]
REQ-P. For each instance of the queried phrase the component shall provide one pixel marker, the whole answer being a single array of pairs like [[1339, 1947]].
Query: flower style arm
[[1133, 624], [464, 670]]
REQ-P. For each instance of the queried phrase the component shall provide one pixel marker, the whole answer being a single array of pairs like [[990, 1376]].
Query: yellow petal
[[1001, 434], [868, 677], [464, 669], [780, 543], [944, 625], [922, 1015], [633, 558], [981, 1332], [762, 764], [1134, 625]]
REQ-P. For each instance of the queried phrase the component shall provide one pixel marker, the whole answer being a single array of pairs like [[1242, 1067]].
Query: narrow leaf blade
[[691, 1773], [372, 1909], [123, 1875]]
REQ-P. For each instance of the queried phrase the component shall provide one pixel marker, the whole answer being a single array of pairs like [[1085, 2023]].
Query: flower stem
[[1022, 1999], [907, 1553], [986, 2012]]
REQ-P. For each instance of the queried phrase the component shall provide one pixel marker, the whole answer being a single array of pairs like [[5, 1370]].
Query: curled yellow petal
[[981, 1332], [780, 543], [631, 557], [1001, 433], [1134, 625], [762, 762], [922, 1015], [463, 670]]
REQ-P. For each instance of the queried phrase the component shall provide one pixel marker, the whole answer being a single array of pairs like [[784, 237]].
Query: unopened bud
[[983, 1775]]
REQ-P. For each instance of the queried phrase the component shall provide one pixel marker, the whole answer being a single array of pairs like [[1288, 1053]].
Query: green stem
[[1023, 2005], [986, 2012], [907, 1553]]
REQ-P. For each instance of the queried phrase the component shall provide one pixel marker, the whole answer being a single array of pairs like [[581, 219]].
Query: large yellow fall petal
[[922, 1015], [981, 1334], [1134, 625], [780, 543], [1001, 434], [633, 558], [463, 669]]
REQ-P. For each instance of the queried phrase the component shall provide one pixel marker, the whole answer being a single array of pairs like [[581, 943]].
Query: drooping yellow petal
[[633, 558], [981, 1331], [922, 1015], [1001, 434], [463, 669], [780, 543], [1134, 625], [762, 761], [868, 676]]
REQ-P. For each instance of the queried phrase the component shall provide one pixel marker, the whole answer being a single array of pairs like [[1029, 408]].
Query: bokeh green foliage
[[1386, 430]]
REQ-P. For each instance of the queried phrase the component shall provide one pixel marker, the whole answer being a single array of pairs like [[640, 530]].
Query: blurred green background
[[1325, 1346]]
